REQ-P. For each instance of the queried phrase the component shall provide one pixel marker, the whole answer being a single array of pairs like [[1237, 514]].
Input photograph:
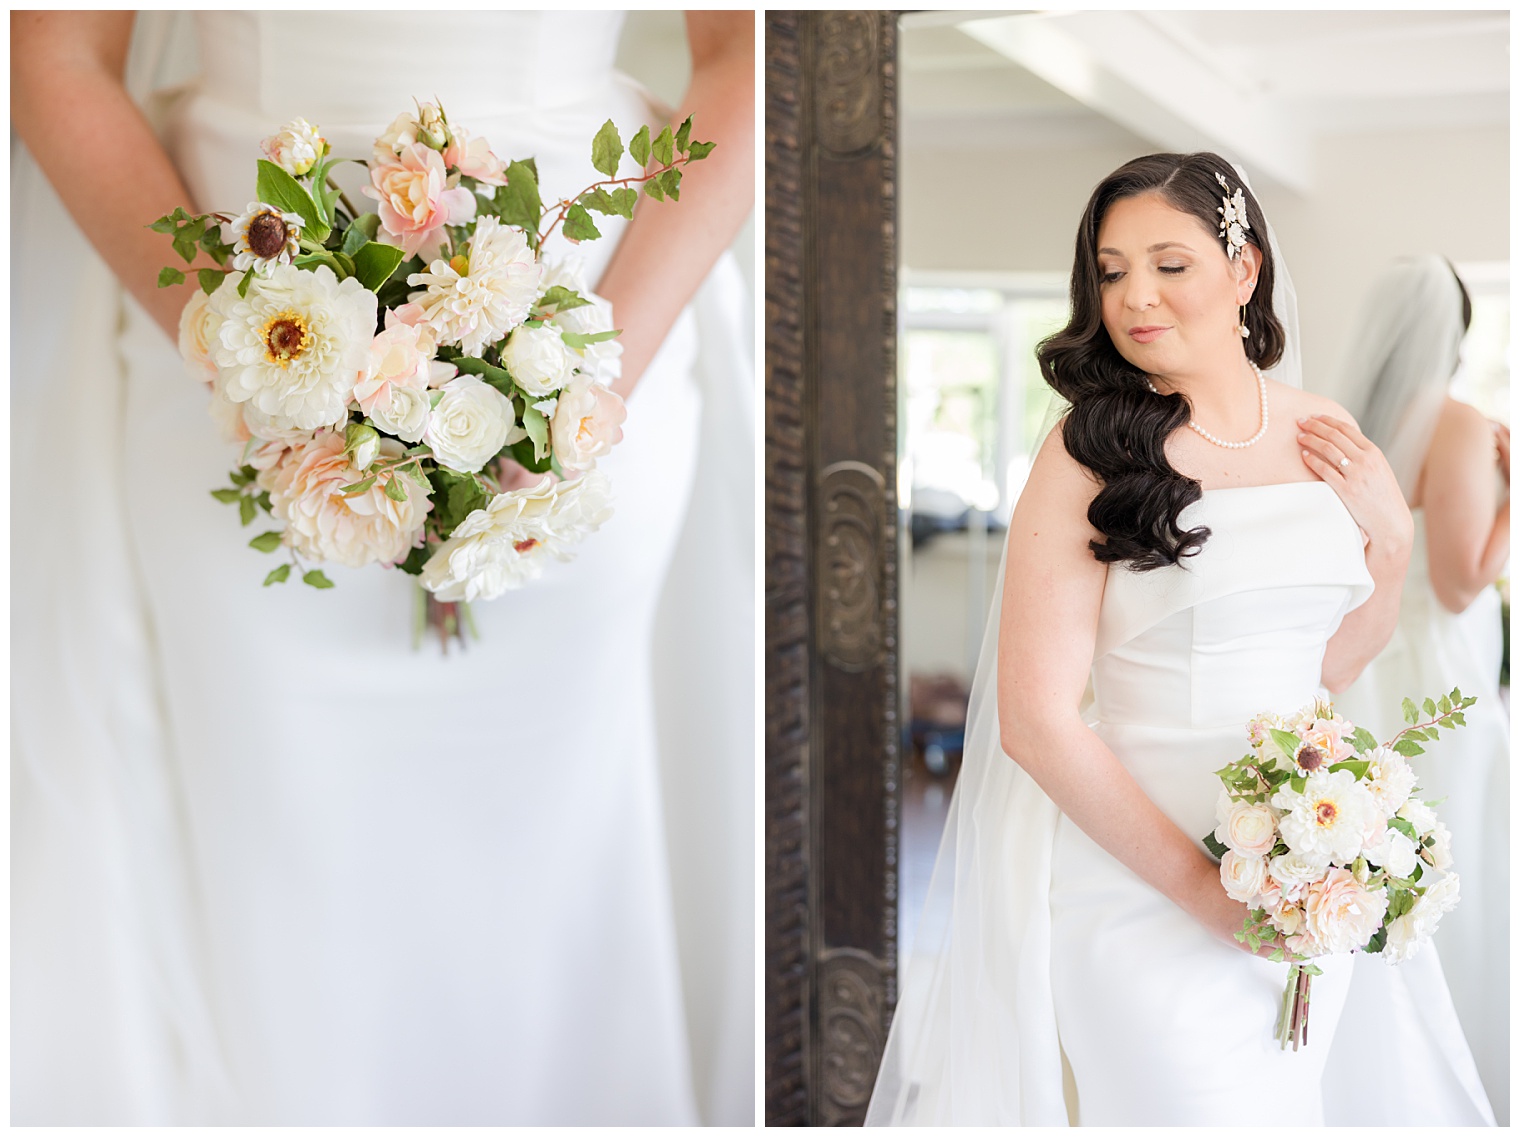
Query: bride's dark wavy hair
[[1117, 427]]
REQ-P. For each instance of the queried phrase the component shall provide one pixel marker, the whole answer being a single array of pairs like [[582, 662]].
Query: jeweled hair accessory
[[1232, 219]]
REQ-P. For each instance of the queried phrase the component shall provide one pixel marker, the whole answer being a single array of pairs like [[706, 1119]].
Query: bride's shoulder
[[1298, 403], [1059, 488]]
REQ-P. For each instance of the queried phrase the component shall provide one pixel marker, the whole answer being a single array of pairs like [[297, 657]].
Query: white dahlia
[[476, 299], [1328, 818], [324, 524], [295, 347], [503, 546]]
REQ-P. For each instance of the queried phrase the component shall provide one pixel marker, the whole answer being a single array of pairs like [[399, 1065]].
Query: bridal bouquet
[[391, 374], [1321, 837]]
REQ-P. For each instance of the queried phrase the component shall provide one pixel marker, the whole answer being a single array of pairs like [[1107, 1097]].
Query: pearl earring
[[1245, 332]]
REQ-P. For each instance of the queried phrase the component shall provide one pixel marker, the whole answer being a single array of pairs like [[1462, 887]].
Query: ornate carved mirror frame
[[831, 551]]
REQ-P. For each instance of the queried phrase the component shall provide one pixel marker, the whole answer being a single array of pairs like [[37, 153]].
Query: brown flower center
[[526, 546], [1310, 758], [286, 336], [267, 233], [1325, 812]]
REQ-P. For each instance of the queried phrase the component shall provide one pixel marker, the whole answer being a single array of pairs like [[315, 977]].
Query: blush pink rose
[[1341, 914], [588, 423], [395, 359], [416, 200], [473, 158]]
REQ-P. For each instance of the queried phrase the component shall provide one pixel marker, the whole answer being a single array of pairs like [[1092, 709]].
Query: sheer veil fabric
[[976, 1039], [1395, 379], [126, 1008]]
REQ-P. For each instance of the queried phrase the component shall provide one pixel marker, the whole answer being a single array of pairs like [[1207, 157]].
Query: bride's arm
[[69, 106], [667, 251], [1367, 486], [1052, 591], [1466, 521]]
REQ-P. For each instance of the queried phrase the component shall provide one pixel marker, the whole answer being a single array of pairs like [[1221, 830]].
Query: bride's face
[[1169, 293]]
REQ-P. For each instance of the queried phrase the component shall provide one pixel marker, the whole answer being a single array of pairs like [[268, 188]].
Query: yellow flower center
[[1325, 813], [285, 336]]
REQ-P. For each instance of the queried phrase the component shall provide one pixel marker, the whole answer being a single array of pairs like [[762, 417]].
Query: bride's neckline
[[1267, 485]]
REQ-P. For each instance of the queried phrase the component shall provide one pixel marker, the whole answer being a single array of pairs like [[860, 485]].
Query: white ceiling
[[1258, 86]]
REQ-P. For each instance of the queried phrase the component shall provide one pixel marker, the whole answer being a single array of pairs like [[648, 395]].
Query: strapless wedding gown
[[1432, 651], [1055, 986], [282, 868]]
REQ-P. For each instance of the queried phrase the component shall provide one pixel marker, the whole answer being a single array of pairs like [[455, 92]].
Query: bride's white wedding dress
[[272, 864], [1036, 943]]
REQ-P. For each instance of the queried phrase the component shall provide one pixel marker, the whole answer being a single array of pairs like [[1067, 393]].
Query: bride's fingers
[[1326, 452], [1342, 434], [1327, 471], [1348, 429]]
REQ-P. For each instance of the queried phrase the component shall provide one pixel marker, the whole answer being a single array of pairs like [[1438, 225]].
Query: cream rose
[[326, 525], [1341, 914], [588, 423], [469, 425], [1248, 828], [1242, 877], [198, 323], [538, 359]]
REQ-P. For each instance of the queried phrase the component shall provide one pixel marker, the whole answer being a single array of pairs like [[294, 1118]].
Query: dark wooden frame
[[831, 553]]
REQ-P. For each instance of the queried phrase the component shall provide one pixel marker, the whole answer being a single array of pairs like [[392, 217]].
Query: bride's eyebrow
[[1152, 249]]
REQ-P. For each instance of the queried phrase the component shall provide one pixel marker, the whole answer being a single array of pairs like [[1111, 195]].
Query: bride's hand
[[1342, 457], [1222, 917]]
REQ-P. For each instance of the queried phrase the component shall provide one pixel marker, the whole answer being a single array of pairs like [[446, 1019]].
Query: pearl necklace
[[1262, 382]]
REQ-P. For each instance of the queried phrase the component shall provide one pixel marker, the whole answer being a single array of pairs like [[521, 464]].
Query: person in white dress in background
[[270, 864], [1076, 961], [1453, 467]]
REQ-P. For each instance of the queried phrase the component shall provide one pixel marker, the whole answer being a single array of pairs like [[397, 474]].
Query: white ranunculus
[[1418, 814], [1393, 851], [1438, 853], [294, 348], [538, 359], [1248, 828], [503, 546], [602, 361], [470, 424], [1294, 872], [405, 415], [1243, 877], [586, 423], [1328, 818]]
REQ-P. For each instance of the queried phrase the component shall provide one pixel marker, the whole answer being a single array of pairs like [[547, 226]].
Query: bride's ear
[[1247, 269]]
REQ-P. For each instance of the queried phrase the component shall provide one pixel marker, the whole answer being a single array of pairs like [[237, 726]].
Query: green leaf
[[670, 183], [700, 150], [638, 146], [395, 489], [264, 503], [663, 147], [211, 279], [525, 455], [1376, 943], [1430, 707], [247, 511], [455, 497], [1215, 846], [312, 260], [1411, 712], [683, 136], [607, 149], [225, 496], [374, 263], [277, 576], [1286, 741], [1298, 782], [415, 560], [365, 228], [1405, 827], [244, 283], [265, 542], [561, 299], [1458, 718], [358, 487], [277, 188], [586, 339], [579, 226], [1362, 740], [169, 276], [517, 202], [1445, 704], [317, 579], [498, 377], [168, 223], [537, 427], [241, 477], [1407, 748], [186, 240], [1357, 766], [652, 188]]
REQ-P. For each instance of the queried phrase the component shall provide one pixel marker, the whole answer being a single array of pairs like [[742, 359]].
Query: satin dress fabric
[[392, 887], [1052, 986]]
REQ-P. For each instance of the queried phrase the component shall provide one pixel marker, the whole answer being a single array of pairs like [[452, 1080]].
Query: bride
[[272, 865], [1076, 962]]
